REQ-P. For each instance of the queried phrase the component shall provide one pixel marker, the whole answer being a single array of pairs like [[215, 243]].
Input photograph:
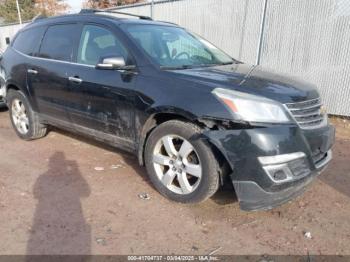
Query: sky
[[75, 5]]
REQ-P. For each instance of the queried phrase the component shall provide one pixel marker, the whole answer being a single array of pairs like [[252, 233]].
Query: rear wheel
[[180, 164], [24, 120]]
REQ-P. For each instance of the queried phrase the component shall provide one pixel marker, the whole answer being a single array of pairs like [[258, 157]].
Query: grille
[[307, 113]]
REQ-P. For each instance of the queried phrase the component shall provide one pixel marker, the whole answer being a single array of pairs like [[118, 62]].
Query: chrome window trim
[[53, 60]]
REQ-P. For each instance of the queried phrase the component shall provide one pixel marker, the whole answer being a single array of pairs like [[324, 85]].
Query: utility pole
[[262, 31], [19, 13], [152, 8]]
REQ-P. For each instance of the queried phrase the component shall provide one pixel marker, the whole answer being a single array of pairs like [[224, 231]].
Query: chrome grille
[[307, 113]]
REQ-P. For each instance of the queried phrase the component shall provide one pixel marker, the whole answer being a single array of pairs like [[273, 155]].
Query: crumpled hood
[[251, 79]]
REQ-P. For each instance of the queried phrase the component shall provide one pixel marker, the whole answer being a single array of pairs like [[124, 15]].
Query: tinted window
[[96, 43], [27, 42], [58, 42]]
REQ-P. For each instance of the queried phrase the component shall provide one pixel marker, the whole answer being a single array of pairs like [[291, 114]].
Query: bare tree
[[51, 7], [100, 4], [8, 10]]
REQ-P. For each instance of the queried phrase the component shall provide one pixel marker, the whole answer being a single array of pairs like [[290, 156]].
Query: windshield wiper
[[227, 63], [182, 67], [176, 67]]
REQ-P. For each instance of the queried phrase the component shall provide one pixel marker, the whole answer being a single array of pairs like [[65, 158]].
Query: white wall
[[311, 39], [8, 31]]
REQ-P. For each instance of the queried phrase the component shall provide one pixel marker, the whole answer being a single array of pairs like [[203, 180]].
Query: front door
[[106, 103]]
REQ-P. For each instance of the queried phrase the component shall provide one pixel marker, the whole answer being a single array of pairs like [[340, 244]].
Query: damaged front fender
[[2, 87], [242, 148]]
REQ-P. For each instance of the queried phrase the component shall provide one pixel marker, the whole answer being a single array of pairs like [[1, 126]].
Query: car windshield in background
[[175, 48]]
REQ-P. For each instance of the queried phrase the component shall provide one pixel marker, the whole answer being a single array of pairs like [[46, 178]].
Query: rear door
[[27, 44], [104, 98], [48, 72]]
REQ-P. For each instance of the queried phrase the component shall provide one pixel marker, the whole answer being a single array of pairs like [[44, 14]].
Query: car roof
[[96, 17]]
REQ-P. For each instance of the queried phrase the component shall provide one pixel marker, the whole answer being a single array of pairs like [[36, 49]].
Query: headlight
[[252, 108]]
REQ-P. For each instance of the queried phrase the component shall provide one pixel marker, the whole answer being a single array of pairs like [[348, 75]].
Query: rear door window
[[59, 41], [28, 41]]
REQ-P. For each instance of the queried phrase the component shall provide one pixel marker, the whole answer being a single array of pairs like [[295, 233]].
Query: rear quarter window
[[28, 41]]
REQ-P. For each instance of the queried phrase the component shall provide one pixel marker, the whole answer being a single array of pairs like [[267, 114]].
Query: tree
[[51, 7], [30, 8], [100, 4], [8, 10]]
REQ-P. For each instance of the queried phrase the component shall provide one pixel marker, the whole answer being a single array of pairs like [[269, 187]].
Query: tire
[[202, 158], [34, 129]]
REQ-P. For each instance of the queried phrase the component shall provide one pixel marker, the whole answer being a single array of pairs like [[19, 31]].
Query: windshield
[[174, 47]]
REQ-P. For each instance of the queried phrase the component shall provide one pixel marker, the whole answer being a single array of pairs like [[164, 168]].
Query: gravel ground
[[64, 194]]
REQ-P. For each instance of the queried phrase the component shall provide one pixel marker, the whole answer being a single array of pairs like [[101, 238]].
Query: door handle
[[75, 79], [32, 71]]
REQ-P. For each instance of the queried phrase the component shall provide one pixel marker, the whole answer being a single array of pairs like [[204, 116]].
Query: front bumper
[[254, 187], [2, 95]]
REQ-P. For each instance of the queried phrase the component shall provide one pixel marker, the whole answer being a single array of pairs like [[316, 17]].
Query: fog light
[[299, 167], [285, 168], [279, 175]]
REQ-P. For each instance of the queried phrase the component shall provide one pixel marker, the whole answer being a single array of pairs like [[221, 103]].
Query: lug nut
[[171, 162], [183, 166], [174, 169], [179, 170]]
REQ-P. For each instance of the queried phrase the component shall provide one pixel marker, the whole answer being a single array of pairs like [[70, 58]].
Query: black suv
[[195, 117]]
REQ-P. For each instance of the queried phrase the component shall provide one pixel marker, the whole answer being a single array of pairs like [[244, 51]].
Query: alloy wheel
[[177, 164], [20, 117]]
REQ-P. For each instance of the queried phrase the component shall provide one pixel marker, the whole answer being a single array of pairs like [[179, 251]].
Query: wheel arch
[[156, 118], [161, 117], [11, 85]]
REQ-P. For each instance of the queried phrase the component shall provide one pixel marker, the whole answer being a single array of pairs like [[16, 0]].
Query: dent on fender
[[2, 83], [254, 189], [248, 144]]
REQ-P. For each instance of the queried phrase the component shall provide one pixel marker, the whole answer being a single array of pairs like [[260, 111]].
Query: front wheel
[[180, 164]]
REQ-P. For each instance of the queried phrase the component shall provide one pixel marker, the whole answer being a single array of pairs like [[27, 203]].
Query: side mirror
[[7, 40], [111, 63]]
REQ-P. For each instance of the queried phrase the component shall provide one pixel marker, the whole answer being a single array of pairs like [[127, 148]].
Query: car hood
[[251, 79]]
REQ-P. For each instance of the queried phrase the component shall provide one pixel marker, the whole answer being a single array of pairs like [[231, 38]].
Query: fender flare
[[151, 123]]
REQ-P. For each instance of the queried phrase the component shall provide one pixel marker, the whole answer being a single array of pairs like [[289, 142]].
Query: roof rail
[[91, 11], [167, 22], [38, 17]]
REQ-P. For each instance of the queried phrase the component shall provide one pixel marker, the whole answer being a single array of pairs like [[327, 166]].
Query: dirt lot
[[54, 201]]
